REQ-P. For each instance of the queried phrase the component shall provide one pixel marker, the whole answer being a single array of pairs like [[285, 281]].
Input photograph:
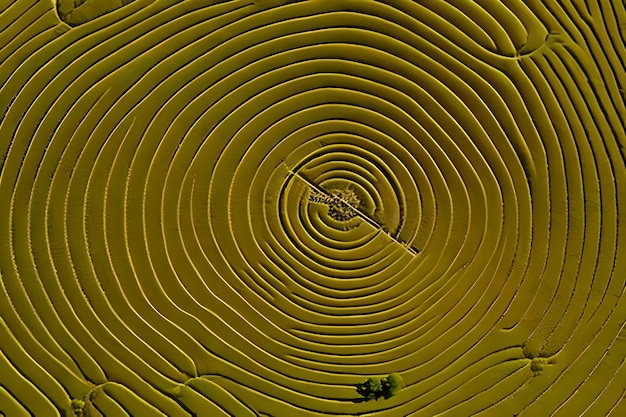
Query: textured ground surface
[[246, 208]]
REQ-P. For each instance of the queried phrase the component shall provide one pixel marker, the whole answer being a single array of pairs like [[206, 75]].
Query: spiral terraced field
[[245, 208]]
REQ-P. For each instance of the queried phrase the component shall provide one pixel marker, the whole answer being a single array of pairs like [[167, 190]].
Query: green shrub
[[377, 388]]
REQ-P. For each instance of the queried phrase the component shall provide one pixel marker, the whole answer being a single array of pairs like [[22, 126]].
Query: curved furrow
[[250, 208], [606, 72], [93, 298]]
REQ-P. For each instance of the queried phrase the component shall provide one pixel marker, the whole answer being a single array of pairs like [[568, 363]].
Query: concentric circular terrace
[[246, 208]]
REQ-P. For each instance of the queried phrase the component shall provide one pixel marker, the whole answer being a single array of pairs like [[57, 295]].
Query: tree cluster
[[377, 388]]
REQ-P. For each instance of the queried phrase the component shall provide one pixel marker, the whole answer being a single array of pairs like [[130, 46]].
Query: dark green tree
[[377, 388]]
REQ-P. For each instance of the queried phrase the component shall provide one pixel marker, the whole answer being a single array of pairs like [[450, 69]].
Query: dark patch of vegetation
[[343, 204], [377, 388]]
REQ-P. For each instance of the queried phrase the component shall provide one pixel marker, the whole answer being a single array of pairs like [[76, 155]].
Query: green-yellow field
[[249, 208]]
